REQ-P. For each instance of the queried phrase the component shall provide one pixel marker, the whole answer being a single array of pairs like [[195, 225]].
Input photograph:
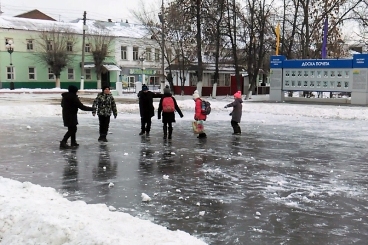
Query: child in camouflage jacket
[[105, 105]]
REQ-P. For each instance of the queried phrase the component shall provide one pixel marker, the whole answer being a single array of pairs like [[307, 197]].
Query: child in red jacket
[[198, 112]]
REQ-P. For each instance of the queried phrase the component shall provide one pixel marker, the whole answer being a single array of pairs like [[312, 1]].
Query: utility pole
[[199, 48], [83, 44], [163, 46]]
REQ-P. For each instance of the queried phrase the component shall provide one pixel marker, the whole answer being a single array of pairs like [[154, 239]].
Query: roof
[[35, 14], [117, 29], [207, 67]]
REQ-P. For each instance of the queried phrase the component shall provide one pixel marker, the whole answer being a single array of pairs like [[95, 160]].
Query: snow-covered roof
[[118, 29]]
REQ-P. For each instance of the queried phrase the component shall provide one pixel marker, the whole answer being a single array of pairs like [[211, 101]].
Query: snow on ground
[[23, 105], [31, 214]]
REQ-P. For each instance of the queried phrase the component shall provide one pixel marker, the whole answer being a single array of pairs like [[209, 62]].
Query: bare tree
[[232, 22], [55, 49], [257, 36], [213, 33], [359, 15], [100, 42], [149, 19], [181, 37], [303, 24]]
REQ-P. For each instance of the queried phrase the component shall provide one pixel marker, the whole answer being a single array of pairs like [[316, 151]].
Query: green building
[[23, 67]]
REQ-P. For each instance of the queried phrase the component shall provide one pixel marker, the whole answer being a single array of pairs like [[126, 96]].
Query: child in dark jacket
[[70, 104], [167, 107], [236, 114], [146, 108]]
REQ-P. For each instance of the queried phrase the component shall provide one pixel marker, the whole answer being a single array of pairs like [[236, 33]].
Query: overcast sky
[[67, 10]]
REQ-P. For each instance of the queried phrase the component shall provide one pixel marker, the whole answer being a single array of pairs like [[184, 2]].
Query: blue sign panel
[[360, 61], [321, 63], [276, 61]]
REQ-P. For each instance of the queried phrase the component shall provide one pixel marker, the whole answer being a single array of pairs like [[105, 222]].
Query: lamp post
[[10, 47], [162, 20], [141, 59], [83, 50]]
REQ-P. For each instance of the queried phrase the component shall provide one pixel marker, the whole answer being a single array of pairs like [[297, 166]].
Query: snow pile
[[12, 108], [31, 214]]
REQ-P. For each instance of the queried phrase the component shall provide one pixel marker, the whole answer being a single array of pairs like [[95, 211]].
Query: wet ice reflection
[[281, 183]]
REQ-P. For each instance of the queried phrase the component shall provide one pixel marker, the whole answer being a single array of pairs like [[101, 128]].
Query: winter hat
[[238, 95], [167, 90], [195, 94], [105, 87], [72, 89], [144, 87]]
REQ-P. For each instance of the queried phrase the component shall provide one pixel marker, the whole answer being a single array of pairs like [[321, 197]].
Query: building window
[[148, 54], [29, 44], [193, 79], [49, 45], [155, 81], [157, 55], [87, 48], [169, 54], [88, 74], [135, 53], [31, 73], [51, 74], [69, 46], [123, 53], [131, 82], [70, 74], [8, 39], [10, 72], [224, 80]]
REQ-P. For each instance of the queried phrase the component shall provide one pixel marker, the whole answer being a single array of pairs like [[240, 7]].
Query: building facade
[[139, 60], [133, 57], [23, 68]]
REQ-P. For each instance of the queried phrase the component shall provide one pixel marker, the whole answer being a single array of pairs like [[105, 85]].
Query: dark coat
[[168, 117], [70, 104], [237, 109], [146, 108]]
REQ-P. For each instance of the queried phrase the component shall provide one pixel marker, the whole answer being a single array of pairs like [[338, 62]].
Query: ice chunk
[[145, 197], [111, 208]]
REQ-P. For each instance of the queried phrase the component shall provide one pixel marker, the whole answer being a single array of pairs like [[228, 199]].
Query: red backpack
[[168, 104]]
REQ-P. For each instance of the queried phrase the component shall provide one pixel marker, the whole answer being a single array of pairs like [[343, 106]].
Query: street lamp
[[142, 59], [162, 20], [10, 47], [83, 51]]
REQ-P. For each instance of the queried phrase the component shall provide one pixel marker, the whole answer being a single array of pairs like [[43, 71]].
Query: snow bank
[[31, 214]]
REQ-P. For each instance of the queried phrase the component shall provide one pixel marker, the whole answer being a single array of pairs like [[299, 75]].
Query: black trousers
[[71, 133], [146, 124], [104, 125], [165, 128], [236, 127]]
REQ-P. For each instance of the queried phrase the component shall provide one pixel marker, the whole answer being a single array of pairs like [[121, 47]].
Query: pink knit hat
[[238, 95]]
